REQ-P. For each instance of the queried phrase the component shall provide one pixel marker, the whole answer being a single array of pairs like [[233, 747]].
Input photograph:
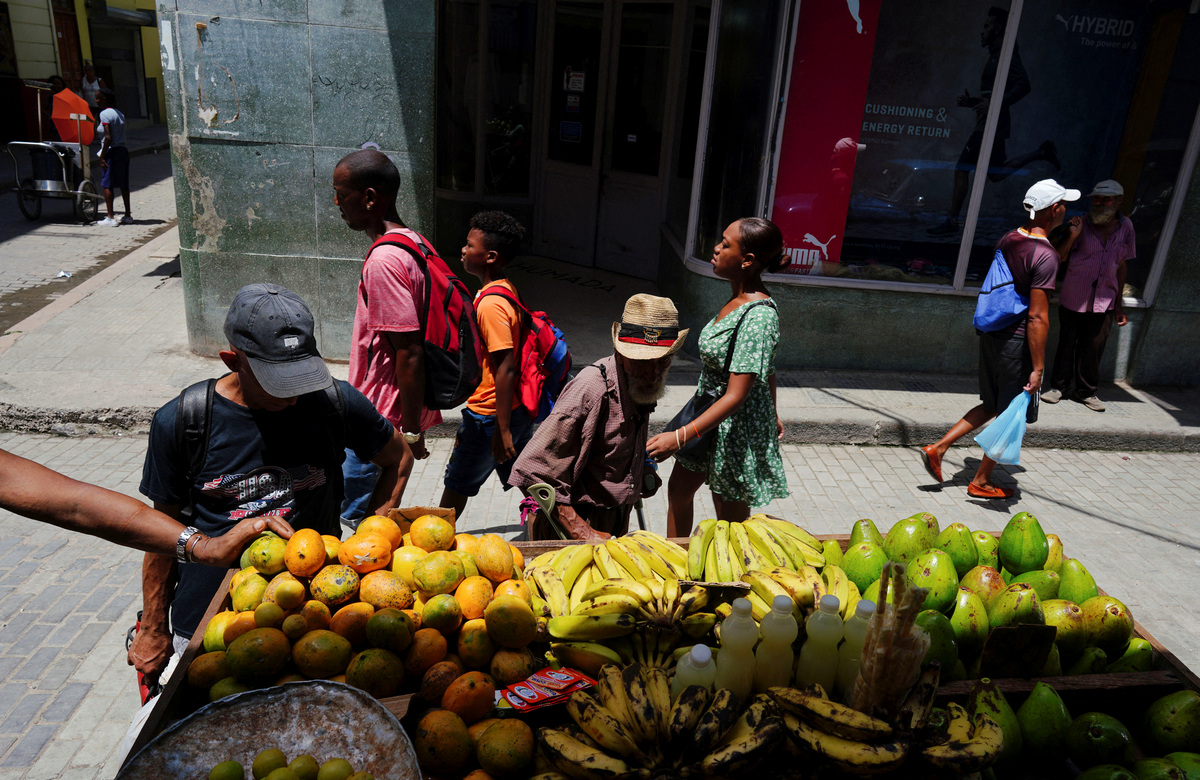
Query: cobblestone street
[[66, 600]]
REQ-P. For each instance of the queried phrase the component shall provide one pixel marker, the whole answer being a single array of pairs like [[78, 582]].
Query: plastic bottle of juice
[[773, 659], [695, 668], [818, 661], [735, 662], [849, 654]]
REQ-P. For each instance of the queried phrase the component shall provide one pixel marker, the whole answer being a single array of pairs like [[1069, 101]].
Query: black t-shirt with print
[[258, 463]]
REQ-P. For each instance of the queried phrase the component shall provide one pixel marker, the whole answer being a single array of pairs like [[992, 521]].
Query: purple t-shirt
[[1033, 263], [1091, 281]]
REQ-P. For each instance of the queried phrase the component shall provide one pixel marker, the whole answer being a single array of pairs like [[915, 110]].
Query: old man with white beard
[[1095, 255], [592, 447]]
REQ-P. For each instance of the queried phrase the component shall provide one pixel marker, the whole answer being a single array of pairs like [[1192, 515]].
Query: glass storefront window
[[1133, 77], [742, 97], [508, 95], [679, 183], [638, 108], [577, 32], [458, 71]]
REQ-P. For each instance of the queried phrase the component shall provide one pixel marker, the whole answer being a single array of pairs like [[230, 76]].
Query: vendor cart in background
[[59, 170]]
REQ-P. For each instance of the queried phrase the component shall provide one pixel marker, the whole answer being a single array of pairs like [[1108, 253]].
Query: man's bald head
[[371, 168]]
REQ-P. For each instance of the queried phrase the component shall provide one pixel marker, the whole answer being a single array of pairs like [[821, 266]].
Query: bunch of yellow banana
[[852, 741], [972, 743], [719, 551], [629, 726]]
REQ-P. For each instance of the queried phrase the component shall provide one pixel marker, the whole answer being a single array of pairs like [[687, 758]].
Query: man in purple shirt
[[1095, 255]]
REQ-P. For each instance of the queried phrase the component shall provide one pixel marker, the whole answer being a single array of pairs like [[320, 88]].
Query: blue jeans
[[359, 482], [471, 461]]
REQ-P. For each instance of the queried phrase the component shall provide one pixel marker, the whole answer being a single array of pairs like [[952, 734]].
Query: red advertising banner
[[831, 69]]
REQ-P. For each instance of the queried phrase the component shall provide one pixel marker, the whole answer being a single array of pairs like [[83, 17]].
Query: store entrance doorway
[[610, 66]]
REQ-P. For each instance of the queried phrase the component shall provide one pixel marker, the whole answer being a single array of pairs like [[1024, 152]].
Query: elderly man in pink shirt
[[1095, 254]]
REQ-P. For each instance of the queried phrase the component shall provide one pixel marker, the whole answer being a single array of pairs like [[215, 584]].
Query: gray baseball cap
[[1107, 188], [273, 326]]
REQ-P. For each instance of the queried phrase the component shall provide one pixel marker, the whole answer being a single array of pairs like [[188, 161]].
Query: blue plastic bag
[[1001, 441]]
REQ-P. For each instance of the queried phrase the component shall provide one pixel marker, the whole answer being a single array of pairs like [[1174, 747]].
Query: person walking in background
[[743, 467], [592, 448], [92, 84], [495, 424], [387, 361], [1095, 255], [1012, 359], [114, 158]]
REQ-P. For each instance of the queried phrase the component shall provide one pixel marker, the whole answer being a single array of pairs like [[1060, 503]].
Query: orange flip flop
[[988, 491]]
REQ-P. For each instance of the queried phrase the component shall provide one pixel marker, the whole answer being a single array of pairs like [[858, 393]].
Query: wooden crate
[[1092, 691]]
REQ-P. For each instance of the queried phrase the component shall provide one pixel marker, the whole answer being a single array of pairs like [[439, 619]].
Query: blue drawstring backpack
[[1001, 441], [999, 304]]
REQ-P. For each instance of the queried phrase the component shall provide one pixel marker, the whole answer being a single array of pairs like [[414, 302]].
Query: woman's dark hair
[[57, 83], [761, 238], [502, 233]]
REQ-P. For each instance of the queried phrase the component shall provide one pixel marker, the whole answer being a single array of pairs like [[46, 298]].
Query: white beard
[[1102, 215]]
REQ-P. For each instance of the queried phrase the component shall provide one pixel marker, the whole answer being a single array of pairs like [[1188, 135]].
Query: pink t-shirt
[[1090, 285], [394, 288]]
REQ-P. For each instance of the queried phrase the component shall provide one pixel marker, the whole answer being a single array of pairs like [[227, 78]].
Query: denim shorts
[[471, 461]]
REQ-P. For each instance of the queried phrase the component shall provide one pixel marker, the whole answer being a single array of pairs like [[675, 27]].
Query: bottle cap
[[864, 609], [783, 604], [830, 603], [741, 607], [701, 655]]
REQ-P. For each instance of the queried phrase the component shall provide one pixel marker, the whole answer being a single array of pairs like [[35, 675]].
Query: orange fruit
[[518, 556], [470, 697], [509, 667], [333, 546], [294, 627], [494, 558], [377, 671], [390, 629], [414, 617], [403, 561], [321, 654], [384, 526], [443, 613], [465, 543], [506, 748], [475, 730], [516, 588], [442, 743], [351, 622], [475, 647], [473, 595], [258, 655], [438, 572], [238, 625], [510, 622], [316, 614], [334, 585], [427, 648], [304, 554], [366, 552], [210, 668], [382, 589], [432, 533], [436, 680]]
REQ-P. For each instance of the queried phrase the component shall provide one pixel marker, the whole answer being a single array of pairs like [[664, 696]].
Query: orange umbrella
[[66, 103]]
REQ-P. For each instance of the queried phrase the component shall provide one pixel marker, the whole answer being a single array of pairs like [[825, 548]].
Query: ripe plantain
[[576, 759]]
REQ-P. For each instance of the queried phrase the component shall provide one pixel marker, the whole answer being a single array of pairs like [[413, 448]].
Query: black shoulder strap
[[192, 415], [335, 418], [736, 328], [420, 254]]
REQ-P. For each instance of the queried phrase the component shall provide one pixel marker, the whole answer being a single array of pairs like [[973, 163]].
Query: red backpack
[[453, 350], [545, 358]]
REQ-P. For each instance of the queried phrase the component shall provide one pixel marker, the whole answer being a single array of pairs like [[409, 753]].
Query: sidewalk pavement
[[140, 138], [103, 356]]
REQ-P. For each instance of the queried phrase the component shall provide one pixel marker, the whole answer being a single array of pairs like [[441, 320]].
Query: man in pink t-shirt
[[386, 355], [1095, 255]]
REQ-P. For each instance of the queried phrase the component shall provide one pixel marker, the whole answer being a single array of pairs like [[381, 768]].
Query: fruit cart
[[60, 171], [1083, 691]]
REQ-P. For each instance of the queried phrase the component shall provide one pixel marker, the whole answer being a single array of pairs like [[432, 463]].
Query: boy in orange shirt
[[495, 424]]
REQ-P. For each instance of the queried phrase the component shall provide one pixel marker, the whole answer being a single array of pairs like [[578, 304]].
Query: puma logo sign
[[809, 238]]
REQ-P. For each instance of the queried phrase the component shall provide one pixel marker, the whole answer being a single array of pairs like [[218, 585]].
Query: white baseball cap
[[1109, 188], [1045, 194]]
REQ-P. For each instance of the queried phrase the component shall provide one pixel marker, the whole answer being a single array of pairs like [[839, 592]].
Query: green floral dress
[[744, 463]]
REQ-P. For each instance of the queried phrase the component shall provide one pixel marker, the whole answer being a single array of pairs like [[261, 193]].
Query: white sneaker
[[108, 222], [126, 220]]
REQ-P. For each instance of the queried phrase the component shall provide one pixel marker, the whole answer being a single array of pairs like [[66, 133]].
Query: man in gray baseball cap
[[266, 439]]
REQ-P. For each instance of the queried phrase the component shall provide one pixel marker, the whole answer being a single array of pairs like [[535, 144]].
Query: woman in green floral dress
[[743, 468]]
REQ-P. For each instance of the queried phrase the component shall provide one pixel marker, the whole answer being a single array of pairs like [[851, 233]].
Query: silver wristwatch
[[181, 544], [410, 438]]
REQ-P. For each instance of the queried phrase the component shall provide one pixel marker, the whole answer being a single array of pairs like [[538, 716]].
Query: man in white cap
[[1012, 357], [268, 438], [592, 447], [1095, 254]]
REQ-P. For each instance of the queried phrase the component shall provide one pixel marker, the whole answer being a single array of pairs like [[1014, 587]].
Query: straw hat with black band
[[649, 328]]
